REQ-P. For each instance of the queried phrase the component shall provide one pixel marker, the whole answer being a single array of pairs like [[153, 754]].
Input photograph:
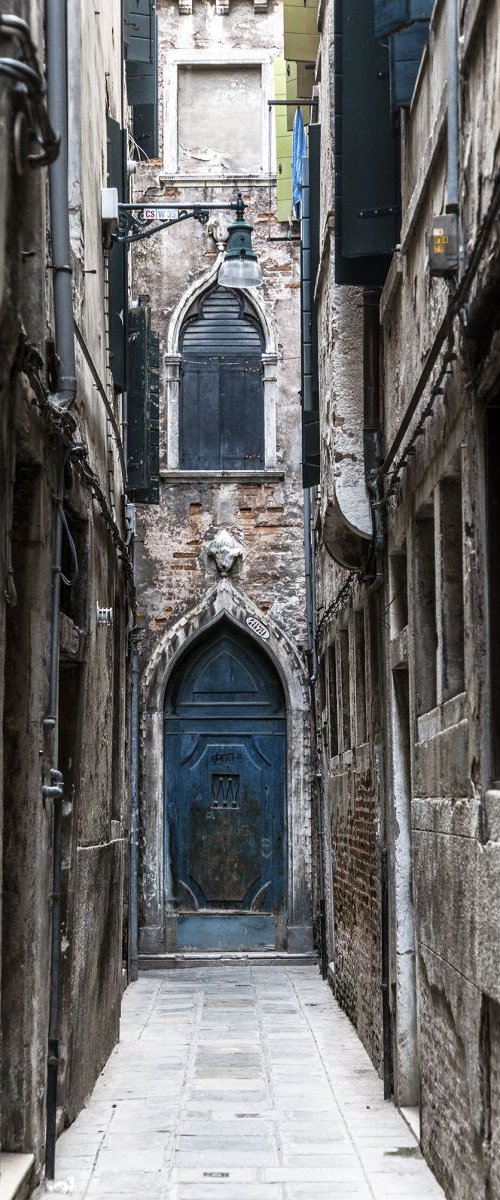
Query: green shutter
[[298, 81], [393, 15], [141, 30], [365, 150], [143, 409], [283, 147], [117, 263], [406, 50], [300, 19], [142, 95]]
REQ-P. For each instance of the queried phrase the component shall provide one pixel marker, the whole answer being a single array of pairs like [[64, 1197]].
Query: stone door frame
[[223, 600]]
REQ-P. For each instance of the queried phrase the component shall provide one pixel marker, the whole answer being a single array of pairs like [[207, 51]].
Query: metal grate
[[225, 791]]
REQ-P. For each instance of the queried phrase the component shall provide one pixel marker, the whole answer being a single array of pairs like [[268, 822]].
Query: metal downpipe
[[54, 791], [134, 812], [453, 195], [57, 98]]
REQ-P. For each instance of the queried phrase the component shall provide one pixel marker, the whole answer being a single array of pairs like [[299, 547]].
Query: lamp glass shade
[[240, 273]]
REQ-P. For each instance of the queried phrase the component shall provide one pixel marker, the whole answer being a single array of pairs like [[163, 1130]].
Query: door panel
[[225, 783]]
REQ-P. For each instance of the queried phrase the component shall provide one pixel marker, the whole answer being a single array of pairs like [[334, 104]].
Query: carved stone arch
[[172, 359], [224, 601]]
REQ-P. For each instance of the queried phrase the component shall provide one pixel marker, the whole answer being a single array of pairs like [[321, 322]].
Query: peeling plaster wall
[[263, 511]]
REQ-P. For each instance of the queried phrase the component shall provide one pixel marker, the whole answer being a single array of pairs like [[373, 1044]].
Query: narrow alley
[[239, 1081]]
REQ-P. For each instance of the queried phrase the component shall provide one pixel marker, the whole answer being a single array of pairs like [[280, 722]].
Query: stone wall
[[433, 683], [92, 733], [260, 509]]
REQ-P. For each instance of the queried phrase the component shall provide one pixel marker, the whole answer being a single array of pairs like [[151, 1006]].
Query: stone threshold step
[[200, 958], [16, 1176]]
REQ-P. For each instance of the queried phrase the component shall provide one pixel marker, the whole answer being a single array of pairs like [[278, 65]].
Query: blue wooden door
[[224, 789]]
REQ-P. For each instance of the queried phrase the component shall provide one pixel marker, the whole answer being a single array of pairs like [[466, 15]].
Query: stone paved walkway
[[239, 1083]]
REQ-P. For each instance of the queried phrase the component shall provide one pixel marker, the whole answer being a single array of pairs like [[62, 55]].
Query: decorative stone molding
[[221, 601], [225, 551]]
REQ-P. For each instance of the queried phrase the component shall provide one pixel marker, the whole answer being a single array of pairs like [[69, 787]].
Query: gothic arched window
[[222, 392]]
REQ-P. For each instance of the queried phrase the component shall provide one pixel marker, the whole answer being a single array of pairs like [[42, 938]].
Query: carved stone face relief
[[225, 550]]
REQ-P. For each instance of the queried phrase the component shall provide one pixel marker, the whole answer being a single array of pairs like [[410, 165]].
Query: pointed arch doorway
[[224, 796]]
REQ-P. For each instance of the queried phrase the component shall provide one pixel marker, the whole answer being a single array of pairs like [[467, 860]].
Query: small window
[[345, 689], [425, 610], [359, 628], [333, 705], [452, 586], [222, 392]]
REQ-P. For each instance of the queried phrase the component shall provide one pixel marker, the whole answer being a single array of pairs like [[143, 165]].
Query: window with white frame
[[216, 119]]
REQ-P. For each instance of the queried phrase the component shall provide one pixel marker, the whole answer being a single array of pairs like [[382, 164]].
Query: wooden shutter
[[393, 15], [141, 30], [406, 50], [200, 415], [301, 30], [142, 79], [143, 409], [117, 263], [222, 404], [366, 149], [283, 145], [241, 415]]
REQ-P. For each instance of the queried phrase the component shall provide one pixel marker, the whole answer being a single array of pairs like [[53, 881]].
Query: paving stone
[[241, 1083]]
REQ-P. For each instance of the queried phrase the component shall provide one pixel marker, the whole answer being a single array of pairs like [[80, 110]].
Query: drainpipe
[[372, 445], [52, 791], [134, 808], [371, 431], [312, 662], [453, 201], [57, 97]]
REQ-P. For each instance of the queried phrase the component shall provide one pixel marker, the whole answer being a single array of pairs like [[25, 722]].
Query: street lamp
[[240, 268], [128, 223]]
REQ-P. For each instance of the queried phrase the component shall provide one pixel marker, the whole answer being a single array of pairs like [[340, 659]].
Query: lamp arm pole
[[136, 222]]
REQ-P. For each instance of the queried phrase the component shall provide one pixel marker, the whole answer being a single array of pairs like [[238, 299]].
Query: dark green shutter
[[142, 84], [143, 409], [366, 150], [309, 338], [118, 285], [406, 50], [393, 15], [141, 30]]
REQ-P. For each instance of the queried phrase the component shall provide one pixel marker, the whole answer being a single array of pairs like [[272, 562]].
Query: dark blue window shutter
[[222, 400], [117, 278], [310, 251], [200, 415], [366, 150], [241, 415], [141, 30], [142, 90], [310, 449], [143, 409], [393, 15], [406, 50]]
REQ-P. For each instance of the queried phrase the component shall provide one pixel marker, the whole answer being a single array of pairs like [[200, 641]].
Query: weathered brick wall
[[356, 904]]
